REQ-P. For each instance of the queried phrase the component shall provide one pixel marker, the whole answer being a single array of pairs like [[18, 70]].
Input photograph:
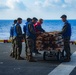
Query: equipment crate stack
[[50, 41]]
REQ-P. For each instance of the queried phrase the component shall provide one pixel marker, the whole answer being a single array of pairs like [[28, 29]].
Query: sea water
[[48, 26]]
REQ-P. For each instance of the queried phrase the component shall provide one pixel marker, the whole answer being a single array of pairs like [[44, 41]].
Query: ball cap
[[34, 18], [63, 16]]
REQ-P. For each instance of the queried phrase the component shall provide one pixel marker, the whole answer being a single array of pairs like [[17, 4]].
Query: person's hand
[[57, 32], [38, 32], [10, 38]]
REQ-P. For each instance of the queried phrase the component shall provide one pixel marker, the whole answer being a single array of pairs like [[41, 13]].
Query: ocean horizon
[[48, 26]]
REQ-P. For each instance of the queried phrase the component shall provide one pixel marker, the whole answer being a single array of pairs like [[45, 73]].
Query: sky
[[46, 9]]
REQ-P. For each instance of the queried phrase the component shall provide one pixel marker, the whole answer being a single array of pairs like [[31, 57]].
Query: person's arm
[[31, 29], [18, 30], [64, 29], [40, 28], [24, 29], [11, 32]]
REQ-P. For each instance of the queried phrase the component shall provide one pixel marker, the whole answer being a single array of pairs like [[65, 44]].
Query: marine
[[24, 30], [18, 39], [12, 37], [30, 37]]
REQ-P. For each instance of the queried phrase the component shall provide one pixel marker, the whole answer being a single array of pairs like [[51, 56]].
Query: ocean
[[48, 26]]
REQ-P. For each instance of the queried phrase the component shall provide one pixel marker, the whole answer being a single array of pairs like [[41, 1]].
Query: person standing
[[18, 40], [30, 37], [66, 34], [38, 26], [24, 30], [38, 29], [12, 35], [24, 27]]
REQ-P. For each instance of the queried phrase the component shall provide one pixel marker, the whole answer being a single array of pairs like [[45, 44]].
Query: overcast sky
[[46, 9]]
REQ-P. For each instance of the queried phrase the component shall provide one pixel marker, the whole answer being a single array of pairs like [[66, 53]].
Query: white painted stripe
[[65, 68]]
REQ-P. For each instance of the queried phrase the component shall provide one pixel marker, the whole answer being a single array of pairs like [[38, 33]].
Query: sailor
[[12, 37], [18, 39], [30, 37], [24, 30], [66, 33]]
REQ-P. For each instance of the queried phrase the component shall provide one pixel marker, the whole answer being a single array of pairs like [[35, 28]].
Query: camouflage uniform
[[25, 45], [12, 38], [30, 46], [18, 42], [30, 40], [13, 46]]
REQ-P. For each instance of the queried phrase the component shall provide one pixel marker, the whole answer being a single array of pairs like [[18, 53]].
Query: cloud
[[56, 3], [64, 5], [38, 3], [48, 3], [55, 8], [3, 7], [71, 3], [38, 8], [16, 4], [12, 4], [52, 2]]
